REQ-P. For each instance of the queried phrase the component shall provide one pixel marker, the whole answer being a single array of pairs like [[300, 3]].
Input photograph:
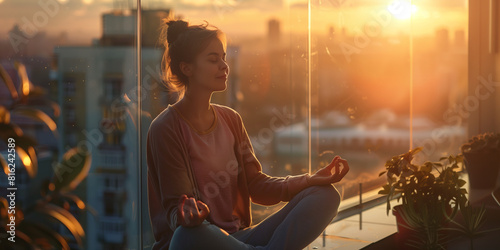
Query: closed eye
[[214, 57]]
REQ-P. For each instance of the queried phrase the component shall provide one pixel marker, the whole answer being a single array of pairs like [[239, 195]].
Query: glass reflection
[[385, 76]]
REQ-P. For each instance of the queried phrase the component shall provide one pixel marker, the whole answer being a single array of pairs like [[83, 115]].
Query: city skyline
[[80, 20], [355, 74]]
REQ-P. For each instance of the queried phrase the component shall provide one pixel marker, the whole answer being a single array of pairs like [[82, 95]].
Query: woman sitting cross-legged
[[202, 170]]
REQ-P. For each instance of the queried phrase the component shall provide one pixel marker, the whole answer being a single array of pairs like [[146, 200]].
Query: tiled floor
[[347, 234]]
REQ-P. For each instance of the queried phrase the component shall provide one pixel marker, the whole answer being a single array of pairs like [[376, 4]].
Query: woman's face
[[210, 70]]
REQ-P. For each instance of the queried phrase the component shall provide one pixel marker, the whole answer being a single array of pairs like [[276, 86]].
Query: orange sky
[[81, 18]]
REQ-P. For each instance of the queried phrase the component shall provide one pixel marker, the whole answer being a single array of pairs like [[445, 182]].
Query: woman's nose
[[225, 66]]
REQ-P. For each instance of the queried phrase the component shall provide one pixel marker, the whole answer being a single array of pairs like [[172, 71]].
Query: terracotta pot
[[482, 167]]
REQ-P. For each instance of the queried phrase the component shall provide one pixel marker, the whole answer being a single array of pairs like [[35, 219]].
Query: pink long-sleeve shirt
[[171, 174], [215, 169]]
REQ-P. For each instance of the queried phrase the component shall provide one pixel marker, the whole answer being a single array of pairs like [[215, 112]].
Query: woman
[[202, 171]]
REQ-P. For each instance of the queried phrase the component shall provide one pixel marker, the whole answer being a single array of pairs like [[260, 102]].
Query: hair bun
[[175, 29]]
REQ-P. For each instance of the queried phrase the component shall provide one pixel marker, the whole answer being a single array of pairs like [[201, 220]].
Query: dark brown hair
[[183, 42]]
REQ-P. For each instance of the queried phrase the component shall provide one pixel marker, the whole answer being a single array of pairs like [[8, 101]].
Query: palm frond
[[8, 82]]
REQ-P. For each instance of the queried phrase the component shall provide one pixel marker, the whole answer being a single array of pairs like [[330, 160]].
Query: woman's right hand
[[191, 213], [325, 175]]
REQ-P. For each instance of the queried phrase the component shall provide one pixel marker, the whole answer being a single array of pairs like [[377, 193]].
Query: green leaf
[[24, 147], [427, 167], [385, 189], [56, 110], [461, 182], [39, 116], [36, 91], [5, 165], [382, 192], [4, 115], [25, 84], [8, 82], [4, 207], [41, 235], [75, 199], [388, 205], [73, 168], [61, 215], [416, 150], [10, 130], [28, 157]]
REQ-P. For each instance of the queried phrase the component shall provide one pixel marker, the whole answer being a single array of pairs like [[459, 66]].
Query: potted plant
[[46, 223], [430, 195], [482, 160]]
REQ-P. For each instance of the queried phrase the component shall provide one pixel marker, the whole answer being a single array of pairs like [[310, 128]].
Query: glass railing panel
[[360, 86], [82, 55]]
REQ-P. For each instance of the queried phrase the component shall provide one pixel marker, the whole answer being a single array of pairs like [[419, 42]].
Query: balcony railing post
[[361, 206], [324, 238]]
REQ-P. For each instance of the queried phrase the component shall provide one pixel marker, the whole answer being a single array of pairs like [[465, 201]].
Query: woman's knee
[[329, 197], [187, 237], [204, 236], [183, 236], [199, 237]]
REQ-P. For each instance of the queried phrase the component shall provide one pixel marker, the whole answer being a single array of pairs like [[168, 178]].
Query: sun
[[402, 9]]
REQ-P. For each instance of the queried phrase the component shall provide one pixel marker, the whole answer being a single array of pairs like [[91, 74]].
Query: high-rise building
[[460, 39], [98, 96], [442, 40], [273, 30]]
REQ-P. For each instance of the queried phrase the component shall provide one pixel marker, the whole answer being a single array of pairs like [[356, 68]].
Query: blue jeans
[[294, 226]]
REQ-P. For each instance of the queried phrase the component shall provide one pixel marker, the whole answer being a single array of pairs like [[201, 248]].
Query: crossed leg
[[294, 226]]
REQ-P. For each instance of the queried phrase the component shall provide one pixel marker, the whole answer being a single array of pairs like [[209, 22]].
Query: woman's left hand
[[325, 175]]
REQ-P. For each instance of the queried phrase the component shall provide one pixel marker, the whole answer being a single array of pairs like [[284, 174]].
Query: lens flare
[[402, 9]]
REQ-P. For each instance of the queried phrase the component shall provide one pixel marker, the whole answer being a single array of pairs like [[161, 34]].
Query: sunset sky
[[81, 19]]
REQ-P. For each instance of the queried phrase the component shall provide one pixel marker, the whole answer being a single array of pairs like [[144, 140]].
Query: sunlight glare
[[26, 88], [26, 161], [26, 158], [80, 204], [87, 1], [402, 9]]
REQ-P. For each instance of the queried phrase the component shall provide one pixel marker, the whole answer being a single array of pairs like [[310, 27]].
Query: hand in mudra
[[190, 212], [326, 176]]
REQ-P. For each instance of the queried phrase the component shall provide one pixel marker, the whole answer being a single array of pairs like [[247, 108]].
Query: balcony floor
[[347, 235], [378, 229]]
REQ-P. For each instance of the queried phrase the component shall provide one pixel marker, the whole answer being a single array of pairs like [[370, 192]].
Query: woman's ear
[[186, 68]]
